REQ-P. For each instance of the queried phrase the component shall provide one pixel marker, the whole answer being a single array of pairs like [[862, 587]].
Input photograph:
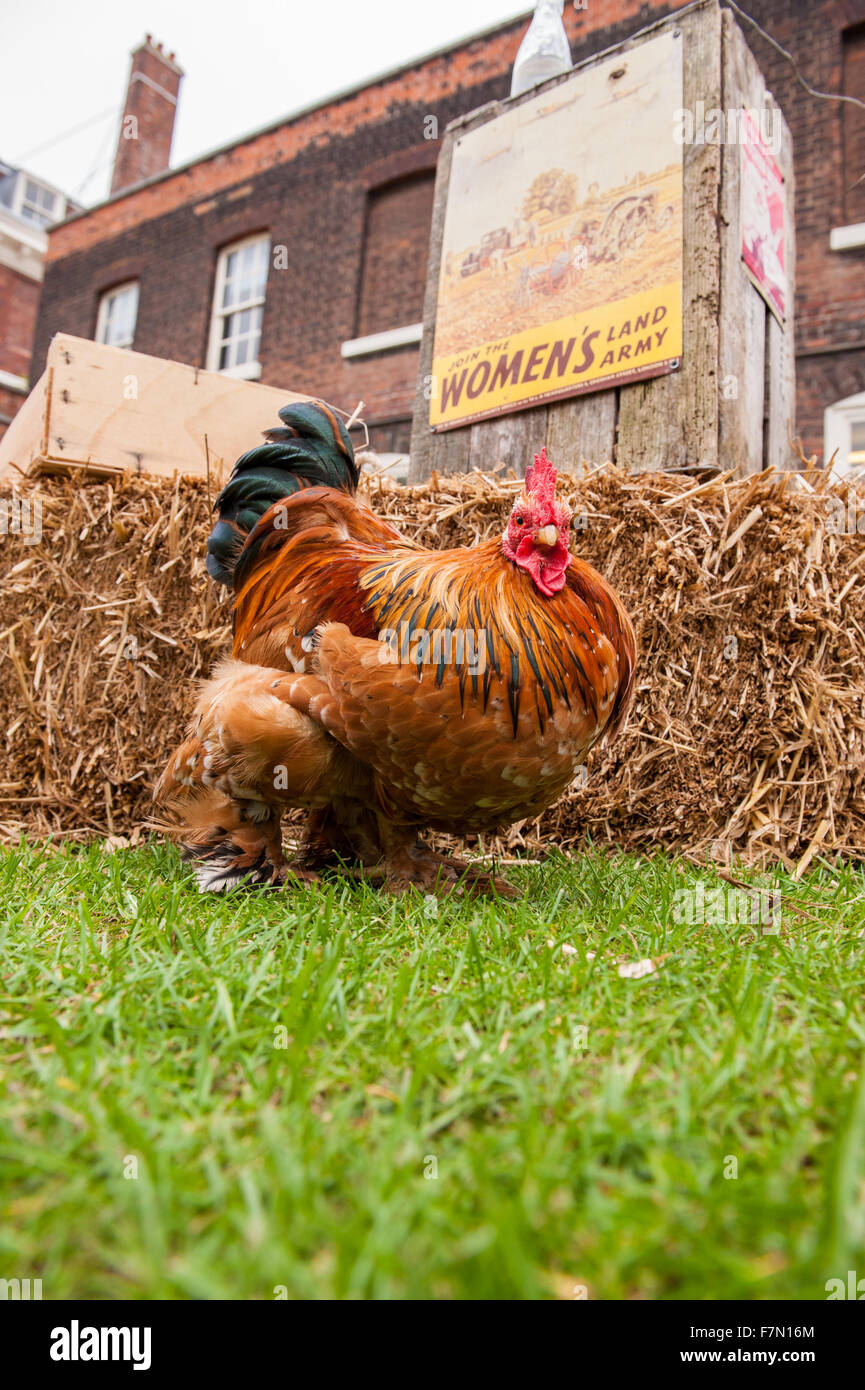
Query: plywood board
[[24, 441], [106, 410], [510, 443], [582, 430]]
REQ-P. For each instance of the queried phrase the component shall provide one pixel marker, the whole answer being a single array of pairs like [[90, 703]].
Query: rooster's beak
[[547, 535]]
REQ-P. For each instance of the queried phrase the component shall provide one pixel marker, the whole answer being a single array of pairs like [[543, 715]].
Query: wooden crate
[[688, 420], [103, 410]]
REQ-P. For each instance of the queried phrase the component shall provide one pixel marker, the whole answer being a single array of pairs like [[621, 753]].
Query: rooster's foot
[[474, 880], [295, 876], [374, 876], [439, 874]]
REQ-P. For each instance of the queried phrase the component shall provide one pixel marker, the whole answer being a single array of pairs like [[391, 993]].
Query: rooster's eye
[[518, 520]]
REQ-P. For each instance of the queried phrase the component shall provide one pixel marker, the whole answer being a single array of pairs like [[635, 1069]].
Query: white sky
[[247, 64]]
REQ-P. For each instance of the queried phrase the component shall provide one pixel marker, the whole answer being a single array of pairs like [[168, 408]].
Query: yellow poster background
[[560, 358]]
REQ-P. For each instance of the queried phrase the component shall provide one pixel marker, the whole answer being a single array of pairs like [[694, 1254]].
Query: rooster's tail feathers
[[311, 449]]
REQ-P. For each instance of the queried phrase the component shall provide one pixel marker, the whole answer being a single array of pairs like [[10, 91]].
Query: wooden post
[[731, 404]]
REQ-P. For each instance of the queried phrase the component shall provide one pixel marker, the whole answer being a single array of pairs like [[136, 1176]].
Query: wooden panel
[[511, 439], [582, 430], [110, 410], [743, 310], [780, 340], [673, 421], [23, 441]]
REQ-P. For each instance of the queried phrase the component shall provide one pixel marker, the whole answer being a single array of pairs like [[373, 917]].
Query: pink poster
[[763, 227]]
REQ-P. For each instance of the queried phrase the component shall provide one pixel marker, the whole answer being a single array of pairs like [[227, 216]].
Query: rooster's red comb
[[541, 479]]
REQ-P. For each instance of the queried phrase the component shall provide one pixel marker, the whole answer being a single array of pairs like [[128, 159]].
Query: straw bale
[[749, 603]]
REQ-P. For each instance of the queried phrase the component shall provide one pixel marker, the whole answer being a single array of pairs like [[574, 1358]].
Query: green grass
[[140, 1028]]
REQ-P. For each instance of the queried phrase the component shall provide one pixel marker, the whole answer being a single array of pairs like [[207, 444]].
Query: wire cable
[[812, 91]]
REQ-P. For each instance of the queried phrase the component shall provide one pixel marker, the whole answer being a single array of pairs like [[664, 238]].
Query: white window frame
[[102, 317], [382, 342], [847, 238], [243, 371], [49, 214], [838, 422], [19, 200]]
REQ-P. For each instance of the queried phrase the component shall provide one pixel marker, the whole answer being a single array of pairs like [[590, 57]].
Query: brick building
[[298, 255], [27, 205]]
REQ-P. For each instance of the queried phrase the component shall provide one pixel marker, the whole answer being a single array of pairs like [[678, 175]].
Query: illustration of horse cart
[[622, 231]]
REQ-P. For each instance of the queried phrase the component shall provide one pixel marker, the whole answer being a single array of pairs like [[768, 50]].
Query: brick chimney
[[144, 145]]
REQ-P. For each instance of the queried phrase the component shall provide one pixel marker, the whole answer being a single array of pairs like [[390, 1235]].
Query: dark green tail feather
[[313, 449]]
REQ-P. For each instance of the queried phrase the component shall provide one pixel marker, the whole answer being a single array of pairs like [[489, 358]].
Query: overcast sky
[[247, 64]]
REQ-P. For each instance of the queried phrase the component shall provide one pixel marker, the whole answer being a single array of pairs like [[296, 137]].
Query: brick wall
[[317, 182], [853, 143], [393, 273], [10, 404], [19, 301]]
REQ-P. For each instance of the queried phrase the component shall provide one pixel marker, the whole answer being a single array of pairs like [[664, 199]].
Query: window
[[396, 247], [844, 435], [238, 308], [38, 203], [853, 124], [118, 310], [30, 200]]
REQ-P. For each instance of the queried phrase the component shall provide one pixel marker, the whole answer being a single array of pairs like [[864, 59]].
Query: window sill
[[847, 238], [382, 342], [10, 382], [244, 371]]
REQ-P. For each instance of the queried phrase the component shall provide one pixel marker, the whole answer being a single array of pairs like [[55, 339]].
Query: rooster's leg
[[343, 833], [272, 833], [409, 863], [289, 874]]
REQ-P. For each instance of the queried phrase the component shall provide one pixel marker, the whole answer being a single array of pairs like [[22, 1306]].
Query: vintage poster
[[763, 227], [561, 268]]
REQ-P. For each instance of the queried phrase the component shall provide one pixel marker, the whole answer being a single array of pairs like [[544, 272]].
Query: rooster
[[384, 687]]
